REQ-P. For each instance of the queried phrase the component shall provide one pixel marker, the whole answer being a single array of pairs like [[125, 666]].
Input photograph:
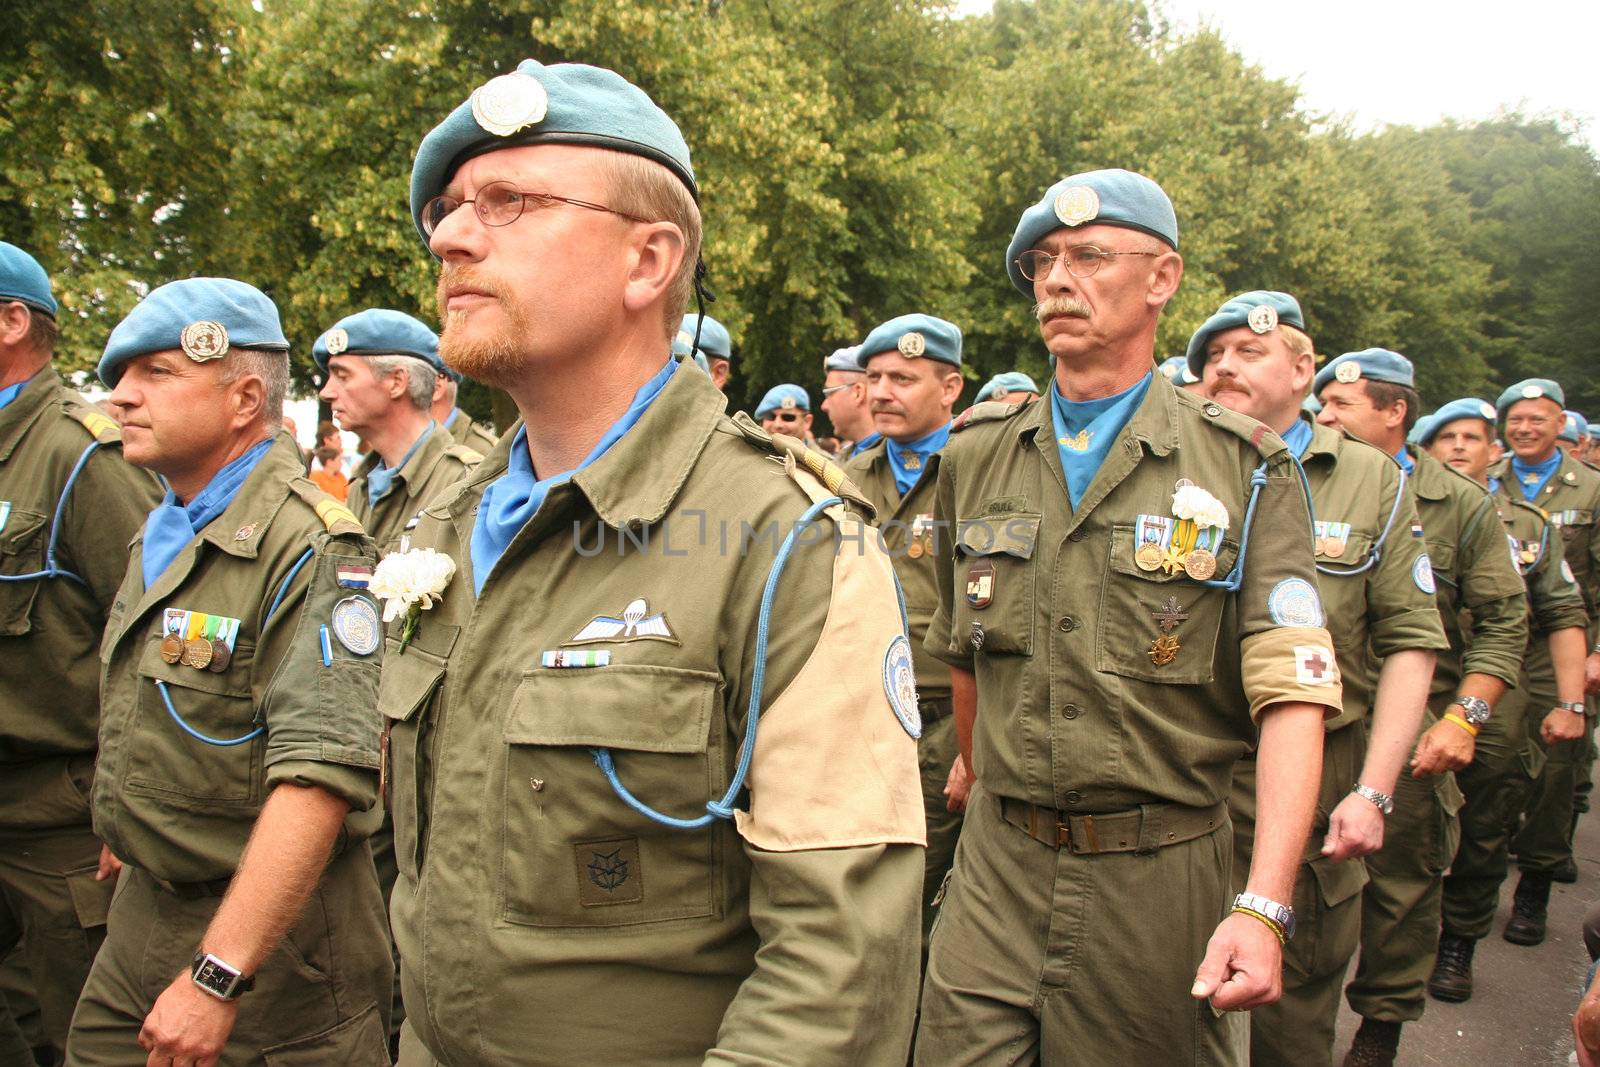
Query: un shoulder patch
[[900, 685], [1422, 574]]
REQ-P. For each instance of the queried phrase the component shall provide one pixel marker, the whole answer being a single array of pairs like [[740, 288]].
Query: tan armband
[[1291, 663]]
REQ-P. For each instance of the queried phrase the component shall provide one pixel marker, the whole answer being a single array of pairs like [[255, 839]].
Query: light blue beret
[[22, 279], [1005, 383], [1531, 389], [203, 317], [1311, 404], [1421, 431], [568, 103], [1468, 407], [783, 397], [683, 348], [1573, 428], [1176, 370], [378, 332], [1373, 364], [1594, 429], [714, 339], [845, 359], [1262, 310], [1100, 197], [912, 336]]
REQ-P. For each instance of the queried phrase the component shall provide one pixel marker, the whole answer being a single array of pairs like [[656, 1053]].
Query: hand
[[1591, 674], [958, 787], [1561, 725], [1586, 1028], [110, 866], [187, 1027], [1243, 967], [1354, 829], [1445, 747]]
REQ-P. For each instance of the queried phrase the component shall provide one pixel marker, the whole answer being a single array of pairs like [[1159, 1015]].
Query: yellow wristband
[[1463, 723], [1270, 924]]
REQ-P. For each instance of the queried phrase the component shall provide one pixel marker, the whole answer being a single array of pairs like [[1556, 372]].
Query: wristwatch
[[1384, 801], [1477, 709], [1575, 707], [219, 979], [1281, 914]]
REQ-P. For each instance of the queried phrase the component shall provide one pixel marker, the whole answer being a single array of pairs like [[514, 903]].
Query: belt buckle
[[1063, 836]]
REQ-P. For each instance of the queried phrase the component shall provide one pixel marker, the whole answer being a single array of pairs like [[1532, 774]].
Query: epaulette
[[334, 515], [988, 411], [1268, 444], [101, 426], [819, 466], [465, 454]]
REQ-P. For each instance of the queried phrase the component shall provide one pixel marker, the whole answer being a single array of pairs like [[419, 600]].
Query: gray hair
[[420, 377], [273, 370]]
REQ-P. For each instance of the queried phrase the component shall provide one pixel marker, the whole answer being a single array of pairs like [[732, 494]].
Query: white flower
[[1194, 503], [417, 577]]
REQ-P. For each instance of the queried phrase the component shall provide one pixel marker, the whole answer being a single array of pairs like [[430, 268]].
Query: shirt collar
[[17, 416], [1154, 423]]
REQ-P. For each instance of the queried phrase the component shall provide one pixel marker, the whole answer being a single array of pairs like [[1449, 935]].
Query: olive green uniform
[[178, 810], [1374, 609], [1094, 863], [474, 435], [544, 920], [1572, 500], [910, 528], [1400, 908], [1508, 754], [50, 903]]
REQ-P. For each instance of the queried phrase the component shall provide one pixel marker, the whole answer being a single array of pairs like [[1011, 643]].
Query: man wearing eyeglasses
[[786, 409], [653, 745], [1255, 356], [1372, 395], [1128, 603], [844, 401]]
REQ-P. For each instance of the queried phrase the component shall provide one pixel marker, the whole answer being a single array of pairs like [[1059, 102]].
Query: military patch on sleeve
[[1294, 602], [1313, 665], [900, 685], [609, 872], [1422, 574], [1566, 572], [355, 624]]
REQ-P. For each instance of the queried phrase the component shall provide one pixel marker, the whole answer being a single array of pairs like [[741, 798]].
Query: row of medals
[[1197, 563], [201, 653]]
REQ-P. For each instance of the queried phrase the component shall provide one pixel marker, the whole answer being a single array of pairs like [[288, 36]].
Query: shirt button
[[1077, 535], [1067, 624], [1070, 711], [1073, 797]]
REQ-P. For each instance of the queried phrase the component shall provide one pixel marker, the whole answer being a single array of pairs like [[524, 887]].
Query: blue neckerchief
[[1403, 458], [1494, 484], [380, 478], [923, 447], [1091, 426], [866, 443], [1541, 471], [1298, 437], [450, 419], [11, 392], [514, 497], [172, 525]]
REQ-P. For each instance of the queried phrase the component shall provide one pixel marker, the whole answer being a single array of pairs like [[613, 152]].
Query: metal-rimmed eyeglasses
[[501, 204], [1082, 260]]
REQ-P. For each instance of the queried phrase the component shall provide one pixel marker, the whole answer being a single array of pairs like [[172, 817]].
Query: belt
[[934, 709], [194, 890], [1144, 829]]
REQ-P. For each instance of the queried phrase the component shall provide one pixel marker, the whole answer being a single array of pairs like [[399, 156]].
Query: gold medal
[[1322, 546], [1335, 547], [221, 656], [1148, 557], [171, 648], [197, 653], [1527, 556], [915, 549], [1164, 649], [1200, 565]]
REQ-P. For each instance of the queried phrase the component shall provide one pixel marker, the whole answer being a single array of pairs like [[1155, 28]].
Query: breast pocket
[[995, 583], [574, 854], [407, 686], [22, 545], [169, 761], [1155, 626]]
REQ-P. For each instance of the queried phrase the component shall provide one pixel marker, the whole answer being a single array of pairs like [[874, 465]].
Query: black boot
[[1452, 969], [1528, 906], [1375, 1045], [1567, 873]]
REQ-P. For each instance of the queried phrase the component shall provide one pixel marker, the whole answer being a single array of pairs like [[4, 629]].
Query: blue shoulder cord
[[723, 809], [166, 697], [50, 568], [1235, 578]]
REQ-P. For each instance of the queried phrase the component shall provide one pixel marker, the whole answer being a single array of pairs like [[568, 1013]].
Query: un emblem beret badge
[[505, 104], [1486, 410], [204, 340], [1348, 371], [338, 341], [912, 344], [1077, 205], [1532, 392], [787, 403], [1263, 318]]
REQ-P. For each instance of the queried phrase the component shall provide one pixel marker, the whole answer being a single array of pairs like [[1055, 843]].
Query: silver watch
[[221, 980], [1477, 709], [1576, 708], [1384, 801], [1281, 914]]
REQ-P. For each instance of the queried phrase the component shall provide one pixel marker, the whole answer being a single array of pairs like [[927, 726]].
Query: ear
[[1165, 274], [439, 381], [655, 256], [950, 388], [246, 399], [397, 383], [15, 321], [805, 424]]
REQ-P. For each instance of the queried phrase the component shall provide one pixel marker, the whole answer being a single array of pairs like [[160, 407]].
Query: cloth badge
[[5, 513], [1314, 665], [635, 624], [1348, 372], [355, 624], [1263, 318], [338, 341], [1416, 529], [609, 872], [204, 340], [508, 103], [562, 658], [1422, 574], [1566, 572], [912, 344], [1077, 204], [1294, 602], [980, 583], [353, 576], [900, 685]]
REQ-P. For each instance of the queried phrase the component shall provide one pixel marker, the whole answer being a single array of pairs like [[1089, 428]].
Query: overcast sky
[[1411, 62]]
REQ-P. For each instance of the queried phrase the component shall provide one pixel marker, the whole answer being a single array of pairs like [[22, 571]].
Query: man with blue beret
[[238, 769], [653, 738], [69, 505], [1256, 357], [1494, 784], [1532, 414], [786, 409], [1011, 387], [714, 344], [913, 368], [844, 401], [1176, 370], [683, 348], [464, 429], [1372, 396], [1114, 650]]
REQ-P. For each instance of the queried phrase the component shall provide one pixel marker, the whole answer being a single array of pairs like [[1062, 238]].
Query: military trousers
[[1402, 903], [1544, 843], [937, 749], [51, 907], [382, 845], [1042, 955], [1298, 1028], [321, 997]]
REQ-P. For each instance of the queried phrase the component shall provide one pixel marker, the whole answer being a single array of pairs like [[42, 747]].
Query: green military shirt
[[438, 463], [910, 532], [49, 681], [1082, 705], [303, 669], [1554, 598], [1376, 578], [464, 431], [1475, 574], [542, 918], [1572, 500]]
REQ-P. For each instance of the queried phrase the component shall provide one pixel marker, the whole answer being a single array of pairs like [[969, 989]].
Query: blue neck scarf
[[380, 478], [11, 392], [172, 525], [450, 419], [907, 473], [1086, 429], [1403, 458], [514, 497], [1298, 437], [1532, 476], [866, 443]]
